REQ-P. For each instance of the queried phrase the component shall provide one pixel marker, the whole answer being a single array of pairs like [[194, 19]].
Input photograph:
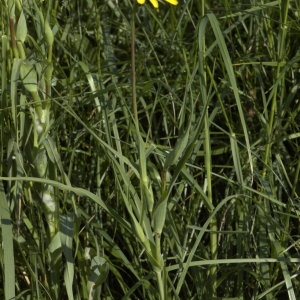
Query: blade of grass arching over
[[8, 262], [75, 190], [199, 263], [228, 65]]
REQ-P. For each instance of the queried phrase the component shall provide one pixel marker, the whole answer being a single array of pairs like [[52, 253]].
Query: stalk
[[12, 23], [49, 69], [280, 57], [146, 190], [207, 163], [133, 72], [208, 178], [30, 72], [159, 273], [4, 70], [266, 232]]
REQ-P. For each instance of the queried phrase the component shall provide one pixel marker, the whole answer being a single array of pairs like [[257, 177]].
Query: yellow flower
[[174, 2], [155, 2]]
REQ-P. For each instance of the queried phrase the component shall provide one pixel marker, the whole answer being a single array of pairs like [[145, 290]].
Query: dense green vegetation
[[150, 153]]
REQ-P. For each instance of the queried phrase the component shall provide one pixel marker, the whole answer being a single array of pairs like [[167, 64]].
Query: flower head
[[155, 2]]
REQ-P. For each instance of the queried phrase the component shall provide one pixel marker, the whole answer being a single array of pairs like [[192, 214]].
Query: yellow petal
[[174, 2], [154, 3], [140, 1]]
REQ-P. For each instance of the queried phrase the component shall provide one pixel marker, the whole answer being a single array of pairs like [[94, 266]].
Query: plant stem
[[207, 162], [159, 273], [133, 72], [280, 56]]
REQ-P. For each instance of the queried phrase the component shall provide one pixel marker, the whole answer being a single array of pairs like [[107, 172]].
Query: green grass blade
[[8, 262], [66, 237], [236, 159], [199, 263], [228, 65], [76, 190]]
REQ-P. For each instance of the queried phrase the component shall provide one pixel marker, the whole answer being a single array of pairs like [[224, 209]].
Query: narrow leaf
[[21, 31], [7, 247]]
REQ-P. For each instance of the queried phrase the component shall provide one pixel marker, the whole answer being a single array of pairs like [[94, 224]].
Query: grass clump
[[149, 154]]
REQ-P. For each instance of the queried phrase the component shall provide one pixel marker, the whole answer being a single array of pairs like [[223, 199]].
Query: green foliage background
[[149, 154]]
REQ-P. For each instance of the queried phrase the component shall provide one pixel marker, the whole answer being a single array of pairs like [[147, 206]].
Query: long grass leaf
[[228, 65], [8, 262], [66, 236], [199, 263], [236, 159], [76, 190]]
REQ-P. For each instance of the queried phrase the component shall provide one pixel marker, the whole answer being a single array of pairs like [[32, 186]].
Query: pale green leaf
[[29, 76], [8, 262], [21, 31]]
